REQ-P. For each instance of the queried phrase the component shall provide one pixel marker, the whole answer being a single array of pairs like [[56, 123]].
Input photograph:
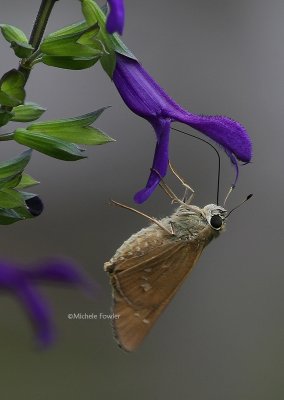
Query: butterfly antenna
[[239, 205], [216, 151]]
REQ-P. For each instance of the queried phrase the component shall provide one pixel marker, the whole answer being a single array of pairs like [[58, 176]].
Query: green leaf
[[74, 130], [11, 181], [22, 50], [89, 12], [121, 47], [5, 116], [93, 14], [10, 198], [17, 38], [8, 101], [8, 217], [27, 112], [13, 34], [18, 181], [87, 136], [15, 165], [80, 121], [26, 181], [73, 47], [88, 36], [80, 44], [48, 145], [12, 92], [65, 49], [18, 212], [78, 27], [108, 62], [74, 63]]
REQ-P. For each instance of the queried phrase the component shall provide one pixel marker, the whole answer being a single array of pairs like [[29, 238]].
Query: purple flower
[[148, 100], [22, 283], [35, 206], [115, 19]]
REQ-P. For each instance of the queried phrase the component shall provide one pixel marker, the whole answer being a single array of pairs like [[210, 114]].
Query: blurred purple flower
[[148, 100], [115, 19], [22, 283]]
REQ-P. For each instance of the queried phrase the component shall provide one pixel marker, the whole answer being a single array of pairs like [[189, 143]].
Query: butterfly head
[[215, 216]]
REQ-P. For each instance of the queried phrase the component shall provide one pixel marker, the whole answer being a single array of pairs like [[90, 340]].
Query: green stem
[[37, 33], [41, 22], [35, 40], [37, 53]]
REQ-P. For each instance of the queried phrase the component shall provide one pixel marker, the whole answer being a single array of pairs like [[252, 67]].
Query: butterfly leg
[[170, 232], [185, 198], [172, 228], [187, 187], [167, 189], [169, 192]]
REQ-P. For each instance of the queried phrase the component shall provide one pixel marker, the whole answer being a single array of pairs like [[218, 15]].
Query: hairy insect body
[[149, 267], [185, 225]]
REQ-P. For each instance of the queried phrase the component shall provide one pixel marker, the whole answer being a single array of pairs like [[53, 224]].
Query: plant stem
[[37, 33], [35, 40], [41, 22]]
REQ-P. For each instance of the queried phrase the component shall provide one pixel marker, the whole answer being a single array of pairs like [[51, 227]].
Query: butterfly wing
[[143, 286]]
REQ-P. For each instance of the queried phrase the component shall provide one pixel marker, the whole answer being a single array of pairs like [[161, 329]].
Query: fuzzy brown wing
[[142, 291]]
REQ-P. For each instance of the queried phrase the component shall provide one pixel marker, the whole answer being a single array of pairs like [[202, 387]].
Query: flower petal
[[137, 88], [22, 283], [14, 279], [38, 312], [115, 19], [9, 276], [161, 159], [230, 134], [62, 272]]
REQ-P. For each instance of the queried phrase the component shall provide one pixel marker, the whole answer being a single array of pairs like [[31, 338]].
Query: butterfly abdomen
[[140, 243]]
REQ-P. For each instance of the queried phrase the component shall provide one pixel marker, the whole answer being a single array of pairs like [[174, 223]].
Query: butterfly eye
[[216, 222]]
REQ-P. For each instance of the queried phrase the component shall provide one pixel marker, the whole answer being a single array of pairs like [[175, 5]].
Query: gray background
[[222, 336]]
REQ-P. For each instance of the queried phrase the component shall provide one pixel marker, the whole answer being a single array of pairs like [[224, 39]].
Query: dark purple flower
[[22, 283], [35, 206], [115, 19], [148, 100]]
